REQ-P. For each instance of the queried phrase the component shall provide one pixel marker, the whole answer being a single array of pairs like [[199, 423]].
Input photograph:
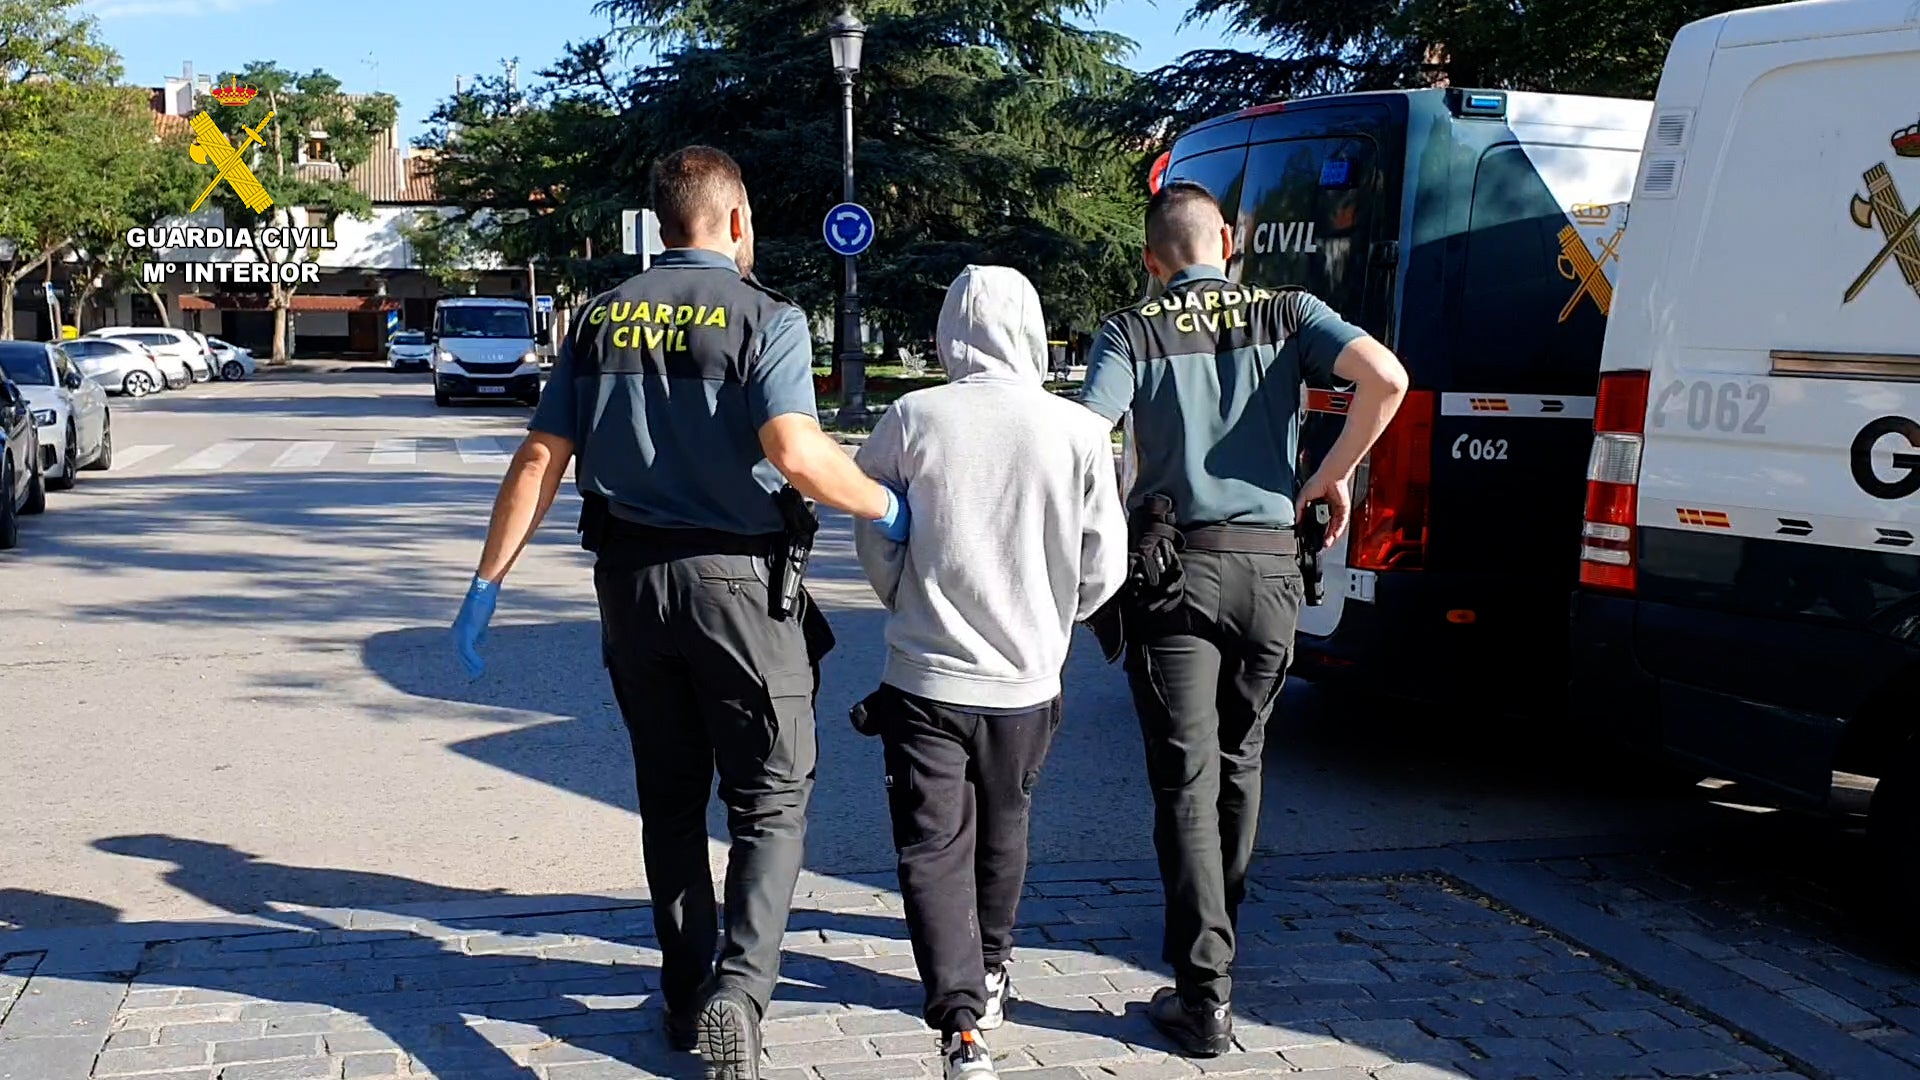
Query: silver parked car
[[176, 349], [409, 349], [232, 361], [121, 365]]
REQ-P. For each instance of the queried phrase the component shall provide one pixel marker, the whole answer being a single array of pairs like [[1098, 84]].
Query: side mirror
[[75, 380], [9, 394]]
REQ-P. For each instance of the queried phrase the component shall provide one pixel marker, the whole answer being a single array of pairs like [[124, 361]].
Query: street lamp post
[[845, 35]]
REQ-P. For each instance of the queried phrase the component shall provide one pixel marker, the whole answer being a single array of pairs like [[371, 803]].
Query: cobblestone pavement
[[1408, 966]]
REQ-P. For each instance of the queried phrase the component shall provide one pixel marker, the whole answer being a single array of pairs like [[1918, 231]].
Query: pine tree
[[968, 150], [1330, 46]]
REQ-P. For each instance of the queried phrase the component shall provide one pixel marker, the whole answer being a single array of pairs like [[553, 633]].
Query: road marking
[[393, 452], [481, 450], [217, 456], [126, 457], [303, 455]]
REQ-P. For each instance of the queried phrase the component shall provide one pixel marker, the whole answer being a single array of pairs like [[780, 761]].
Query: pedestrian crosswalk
[[467, 453]]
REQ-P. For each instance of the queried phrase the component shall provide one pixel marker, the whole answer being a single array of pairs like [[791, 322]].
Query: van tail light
[[1607, 543], [1390, 524]]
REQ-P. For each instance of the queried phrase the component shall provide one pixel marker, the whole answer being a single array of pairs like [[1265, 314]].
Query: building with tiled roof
[[370, 284]]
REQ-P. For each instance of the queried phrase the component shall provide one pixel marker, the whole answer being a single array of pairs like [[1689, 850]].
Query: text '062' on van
[[1477, 233], [1750, 574]]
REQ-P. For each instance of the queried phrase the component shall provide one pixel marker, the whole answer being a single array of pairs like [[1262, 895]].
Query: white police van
[[1476, 233], [1750, 576], [484, 347]]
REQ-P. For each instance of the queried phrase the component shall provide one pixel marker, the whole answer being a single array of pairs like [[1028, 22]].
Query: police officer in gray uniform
[[687, 394], [1211, 372]]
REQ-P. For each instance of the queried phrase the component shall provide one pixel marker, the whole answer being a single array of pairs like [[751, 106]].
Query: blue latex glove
[[894, 524], [470, 626]]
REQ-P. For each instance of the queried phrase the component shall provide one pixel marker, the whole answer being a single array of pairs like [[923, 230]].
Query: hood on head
[[991, 327]]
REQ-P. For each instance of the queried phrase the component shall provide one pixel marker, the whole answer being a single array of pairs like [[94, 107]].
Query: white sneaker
[[968, 1057], [999, 987]]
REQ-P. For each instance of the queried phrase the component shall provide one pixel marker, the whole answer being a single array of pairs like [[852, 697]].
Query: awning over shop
[[301, 302]]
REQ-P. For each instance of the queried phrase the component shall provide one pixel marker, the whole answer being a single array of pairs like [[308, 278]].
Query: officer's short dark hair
[[693, 188], [1179, 215]]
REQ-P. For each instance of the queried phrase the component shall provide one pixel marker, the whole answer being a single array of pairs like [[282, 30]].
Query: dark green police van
[[1476, 233]]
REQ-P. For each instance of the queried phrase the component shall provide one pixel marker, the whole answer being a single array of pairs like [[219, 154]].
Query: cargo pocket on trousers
[[795, 749]]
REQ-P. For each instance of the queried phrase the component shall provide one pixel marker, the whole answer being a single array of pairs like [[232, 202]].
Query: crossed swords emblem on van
[[1883, 206], [1587, 270], [1899, 230]]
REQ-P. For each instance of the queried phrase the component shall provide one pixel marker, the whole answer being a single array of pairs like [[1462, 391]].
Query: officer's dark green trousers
[[1204, 678], [709, 682]]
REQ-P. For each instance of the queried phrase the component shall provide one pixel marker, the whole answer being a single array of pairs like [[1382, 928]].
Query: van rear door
[[1526, 312], [1780, 480], [1320, 192]]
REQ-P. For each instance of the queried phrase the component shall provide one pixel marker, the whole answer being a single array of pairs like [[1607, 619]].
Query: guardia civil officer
[[687, 394], [1211, 372]]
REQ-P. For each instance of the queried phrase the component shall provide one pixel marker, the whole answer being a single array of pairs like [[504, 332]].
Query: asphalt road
[[227, 684]]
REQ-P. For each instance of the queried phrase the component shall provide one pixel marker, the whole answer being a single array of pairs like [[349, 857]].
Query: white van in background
[[483, 347], [1750, 576]]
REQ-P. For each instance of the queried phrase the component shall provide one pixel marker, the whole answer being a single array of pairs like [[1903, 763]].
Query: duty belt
[[1242, 540], [684, 543]]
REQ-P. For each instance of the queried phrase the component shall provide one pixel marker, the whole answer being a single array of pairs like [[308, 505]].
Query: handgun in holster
[[1310, 532], [593, 520], [789, 568]]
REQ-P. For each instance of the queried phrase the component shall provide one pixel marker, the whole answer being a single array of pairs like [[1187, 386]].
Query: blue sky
[[415, 48]]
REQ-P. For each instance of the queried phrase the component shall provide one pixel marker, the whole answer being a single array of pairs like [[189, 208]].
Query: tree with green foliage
[[967, 151], [1330, 46], [66, 136], [445, 248], [164, 181], [309, 107]]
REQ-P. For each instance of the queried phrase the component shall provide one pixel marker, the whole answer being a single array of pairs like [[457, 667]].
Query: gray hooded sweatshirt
[[1018, 531]]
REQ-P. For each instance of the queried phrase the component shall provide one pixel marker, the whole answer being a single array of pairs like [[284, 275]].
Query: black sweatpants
[[708, 681], [959, 786], [1204, 678]]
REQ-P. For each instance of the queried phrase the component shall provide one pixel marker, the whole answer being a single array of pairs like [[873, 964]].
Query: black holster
[[1154, 580], [789, 569], [594, 513], [1311, 531]]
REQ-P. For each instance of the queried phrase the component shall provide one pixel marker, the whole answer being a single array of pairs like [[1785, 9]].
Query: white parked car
[[120, 365], [232, 361], [409, 349], [175, 349], [69, 410]]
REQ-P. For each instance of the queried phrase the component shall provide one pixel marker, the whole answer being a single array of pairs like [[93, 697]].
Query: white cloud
[[173, 9]]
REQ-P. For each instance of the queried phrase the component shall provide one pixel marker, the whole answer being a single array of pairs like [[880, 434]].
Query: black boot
[[1197, 1032], [683, 1030], [729, 1036]]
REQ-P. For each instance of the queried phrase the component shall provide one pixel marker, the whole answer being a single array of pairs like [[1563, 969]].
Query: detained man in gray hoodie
[[1018, 534]]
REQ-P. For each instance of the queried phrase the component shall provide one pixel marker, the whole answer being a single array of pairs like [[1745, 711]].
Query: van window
[[1218, 171], [1542, 255], [1307, 217], [484, 322]]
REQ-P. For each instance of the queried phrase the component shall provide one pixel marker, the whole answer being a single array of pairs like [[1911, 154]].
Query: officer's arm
[[1108, 389], [817, 466], [1379, 384], [526, 493], [780, 393], [536, 471]]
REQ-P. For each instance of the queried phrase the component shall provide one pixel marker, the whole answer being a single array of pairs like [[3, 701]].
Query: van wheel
[[9, 517], [1893, 823]]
